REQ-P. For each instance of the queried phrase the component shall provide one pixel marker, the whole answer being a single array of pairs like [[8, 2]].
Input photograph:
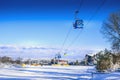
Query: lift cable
[[96, 12], [80, 6], [81, 2], [65, 39]]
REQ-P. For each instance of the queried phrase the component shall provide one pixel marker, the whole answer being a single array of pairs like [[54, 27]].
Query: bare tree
[[18, 60], [6, 59], [111, 30]]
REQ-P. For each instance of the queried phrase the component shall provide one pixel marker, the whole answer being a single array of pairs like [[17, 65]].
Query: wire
[[73, 41], [80, 6], [96, 11], [65, 39], [81, 2]]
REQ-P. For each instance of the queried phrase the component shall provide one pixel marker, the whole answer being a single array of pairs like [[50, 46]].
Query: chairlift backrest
[[78, 24]]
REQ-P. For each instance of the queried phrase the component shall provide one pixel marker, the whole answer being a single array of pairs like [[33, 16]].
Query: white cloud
[[41, 52]]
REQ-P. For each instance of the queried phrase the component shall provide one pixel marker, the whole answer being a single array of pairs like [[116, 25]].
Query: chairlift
[[78, 24], [58, 56]]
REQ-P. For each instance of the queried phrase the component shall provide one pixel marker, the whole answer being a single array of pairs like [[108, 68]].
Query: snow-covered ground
[[55, 73]]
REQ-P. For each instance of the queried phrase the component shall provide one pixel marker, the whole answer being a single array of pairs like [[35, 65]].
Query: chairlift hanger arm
[[78, 24]]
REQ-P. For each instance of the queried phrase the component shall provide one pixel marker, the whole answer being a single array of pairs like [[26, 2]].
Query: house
[[37, 62], [90, 59], [62, 62]]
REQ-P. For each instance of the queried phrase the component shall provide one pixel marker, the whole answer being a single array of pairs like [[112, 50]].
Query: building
[[90, 59], [62, 62]]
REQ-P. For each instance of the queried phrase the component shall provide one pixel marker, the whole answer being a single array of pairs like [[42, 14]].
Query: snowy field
[[55, 73]]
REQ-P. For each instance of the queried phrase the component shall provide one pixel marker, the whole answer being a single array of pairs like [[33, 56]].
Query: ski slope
[[55, 73]]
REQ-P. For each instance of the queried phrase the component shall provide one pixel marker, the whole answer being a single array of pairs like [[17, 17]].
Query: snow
[[55, 73]]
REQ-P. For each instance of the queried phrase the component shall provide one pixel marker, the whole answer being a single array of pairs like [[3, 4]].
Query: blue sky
[[46, 22]]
